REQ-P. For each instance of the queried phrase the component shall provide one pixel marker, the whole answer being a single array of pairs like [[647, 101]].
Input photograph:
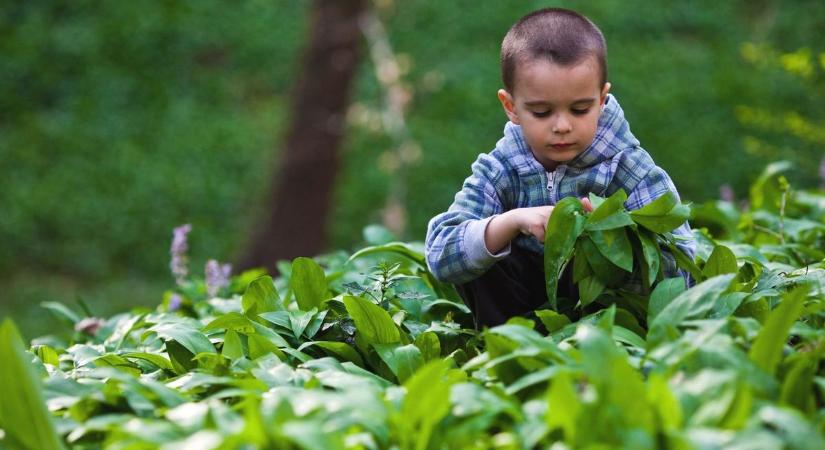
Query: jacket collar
[[612, 136]]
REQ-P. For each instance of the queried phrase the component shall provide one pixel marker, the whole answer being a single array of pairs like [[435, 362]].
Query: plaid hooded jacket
[[510, 177]]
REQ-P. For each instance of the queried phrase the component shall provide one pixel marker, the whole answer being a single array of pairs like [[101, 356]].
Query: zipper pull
[[550, 181]]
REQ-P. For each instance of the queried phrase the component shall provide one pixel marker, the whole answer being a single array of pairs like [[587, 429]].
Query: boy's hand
[[529, 221], [533, 221]]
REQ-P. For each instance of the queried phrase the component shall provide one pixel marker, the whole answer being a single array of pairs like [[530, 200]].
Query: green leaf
[[305, 434], [589, 289], [429, 345], [622, 334], [48, 355], [721, 261], [180, 357], [726, 304], [564, 226], [402, 360], [153, 358], [691, 304], [315, 324], [740, 408], [528, 339], [664, 293], [231, 321], [523, 321], [765, 192], [615, 246], [232, 347], [652, 256], [564, 406], [341, 350], [552, 320], [684, 261], [618, 384], [279, 318], [798, 387], [373, 323], [610, 214], [260, 296], [299, 320], [119, 363], [62, 312], [665, 404], [607, 319], [400, 248], [426, 402], [309, 283], [766, 351], [662, 215], [609, 273], [533, 378], [415, 254], [190, 338], [23, 414], [658, 207], [581, 267], [595, 200], [259, 346]]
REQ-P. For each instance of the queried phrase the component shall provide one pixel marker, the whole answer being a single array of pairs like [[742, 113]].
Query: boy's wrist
[[501, 229], [513, 221]]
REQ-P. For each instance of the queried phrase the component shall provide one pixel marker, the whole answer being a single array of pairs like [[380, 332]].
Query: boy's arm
[[528, 221], [476, 232], [500, 231], [455, 246]]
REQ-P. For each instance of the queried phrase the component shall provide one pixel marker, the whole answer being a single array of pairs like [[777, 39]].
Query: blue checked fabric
[[510, 177]]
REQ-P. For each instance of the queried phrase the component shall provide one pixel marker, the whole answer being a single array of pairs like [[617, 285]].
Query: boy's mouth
[[561, 146]]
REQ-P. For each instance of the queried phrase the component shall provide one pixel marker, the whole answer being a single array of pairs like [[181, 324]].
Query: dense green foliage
[[368, 351], [119, 121]]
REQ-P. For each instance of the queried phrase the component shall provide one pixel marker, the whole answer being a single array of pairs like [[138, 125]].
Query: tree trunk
[[294, 223]]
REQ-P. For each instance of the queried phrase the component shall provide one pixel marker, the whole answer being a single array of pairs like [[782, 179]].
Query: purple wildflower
[[217, 276], [174, 302], [726, 193], [178, 263], [822, 173], [89, 325]]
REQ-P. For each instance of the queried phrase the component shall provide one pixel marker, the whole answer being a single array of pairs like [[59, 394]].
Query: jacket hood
[[612, 136]]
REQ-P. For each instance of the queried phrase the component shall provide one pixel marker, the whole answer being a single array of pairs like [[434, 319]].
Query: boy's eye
[[577, 112]]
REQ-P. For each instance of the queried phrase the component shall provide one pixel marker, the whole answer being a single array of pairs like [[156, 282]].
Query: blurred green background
[[122, 120]]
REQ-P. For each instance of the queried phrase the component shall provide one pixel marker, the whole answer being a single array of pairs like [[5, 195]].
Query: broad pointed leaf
[[564, 226], [373, 323], [309, 283]]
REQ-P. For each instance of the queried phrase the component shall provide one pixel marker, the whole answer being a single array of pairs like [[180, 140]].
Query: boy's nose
[[561, 126]]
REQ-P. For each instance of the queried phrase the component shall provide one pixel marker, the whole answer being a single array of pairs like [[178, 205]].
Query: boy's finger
[[587, 205]]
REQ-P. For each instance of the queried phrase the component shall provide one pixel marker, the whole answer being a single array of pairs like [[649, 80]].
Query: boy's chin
[[552, 160]]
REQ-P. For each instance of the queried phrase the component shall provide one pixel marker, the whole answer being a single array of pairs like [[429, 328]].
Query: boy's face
[[558, 108]]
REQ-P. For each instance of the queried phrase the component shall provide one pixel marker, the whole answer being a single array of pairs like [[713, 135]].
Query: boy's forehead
[[543, 79]]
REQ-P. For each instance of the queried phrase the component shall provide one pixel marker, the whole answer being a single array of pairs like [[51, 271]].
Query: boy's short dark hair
[[558, 35]]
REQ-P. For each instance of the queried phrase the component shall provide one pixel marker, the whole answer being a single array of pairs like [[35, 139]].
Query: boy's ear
[[605, 91], [509, 105]]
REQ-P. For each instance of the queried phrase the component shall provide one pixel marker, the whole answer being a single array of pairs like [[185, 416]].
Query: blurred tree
[[294, 223]]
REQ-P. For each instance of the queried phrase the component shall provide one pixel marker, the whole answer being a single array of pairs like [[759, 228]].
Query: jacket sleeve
[[655, 184], [454, 247]]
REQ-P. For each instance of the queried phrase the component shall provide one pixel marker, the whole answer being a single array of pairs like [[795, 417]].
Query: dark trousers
[[514, 286]]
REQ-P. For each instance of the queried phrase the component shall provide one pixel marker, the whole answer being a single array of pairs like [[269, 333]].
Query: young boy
[[566, 136]]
